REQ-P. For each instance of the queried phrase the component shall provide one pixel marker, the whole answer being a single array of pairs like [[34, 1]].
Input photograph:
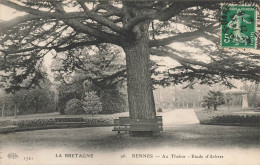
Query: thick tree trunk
[[137, 50], [139, 84]]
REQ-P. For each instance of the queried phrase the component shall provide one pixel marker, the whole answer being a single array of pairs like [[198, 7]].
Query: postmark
[[12, 156], [238, 26]]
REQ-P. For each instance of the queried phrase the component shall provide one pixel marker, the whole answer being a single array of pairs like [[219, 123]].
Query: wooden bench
[[121, 124], [70, 121], [146, 125], [138, 125]]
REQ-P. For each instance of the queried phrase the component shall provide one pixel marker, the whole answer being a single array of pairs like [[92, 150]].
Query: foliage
[[50, 123], [140, 28], [99, 72], [253, 103], [237, 119], [228, 98], [113, 101], [68, 92], [106, 67], [74, 107], [206, 102], [91, 103], [29, 101], [34, 123], [227, 118], [213, 98], [253, 93], [28, 38]]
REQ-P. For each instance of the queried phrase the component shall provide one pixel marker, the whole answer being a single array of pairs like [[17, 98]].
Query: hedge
[[98, 122], [248, 119], [35, 124]]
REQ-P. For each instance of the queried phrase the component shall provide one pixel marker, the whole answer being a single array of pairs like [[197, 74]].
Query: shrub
[[252, 119], [74, 107], [92, 104], [113, 101], [50, 123], [34, 123]]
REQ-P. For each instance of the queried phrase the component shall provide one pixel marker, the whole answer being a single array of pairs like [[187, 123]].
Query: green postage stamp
[[238, 26]]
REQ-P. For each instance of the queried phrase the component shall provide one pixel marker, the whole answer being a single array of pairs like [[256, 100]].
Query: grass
[[103, 139]]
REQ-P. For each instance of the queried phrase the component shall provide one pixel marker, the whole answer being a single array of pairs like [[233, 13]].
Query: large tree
[[139, 27]]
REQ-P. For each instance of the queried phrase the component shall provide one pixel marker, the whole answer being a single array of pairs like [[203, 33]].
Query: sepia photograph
[[129, 82]]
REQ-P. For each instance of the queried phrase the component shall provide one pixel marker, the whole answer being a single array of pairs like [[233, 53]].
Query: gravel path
[[179, 117]]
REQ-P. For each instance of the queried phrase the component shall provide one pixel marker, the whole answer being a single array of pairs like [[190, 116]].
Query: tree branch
[[163, 15], [160, 52], [77, 44], [65, 16], [174, 9], [202, 64], [187, 36], [82, 4], [13, 22]]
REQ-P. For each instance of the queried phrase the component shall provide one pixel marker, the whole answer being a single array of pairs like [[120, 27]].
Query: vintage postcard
[[129, 82]]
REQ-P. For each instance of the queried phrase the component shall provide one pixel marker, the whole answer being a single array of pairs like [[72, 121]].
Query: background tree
[[29, 101], [228, 98], [102, 71], [255, 94], [138, 27], [68, 92], [91, 103], [213, 98], [206, 102]]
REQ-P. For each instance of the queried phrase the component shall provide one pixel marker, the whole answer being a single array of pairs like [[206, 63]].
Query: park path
[[179, 117]]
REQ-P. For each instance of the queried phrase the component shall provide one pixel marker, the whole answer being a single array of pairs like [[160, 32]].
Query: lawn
[[179, 137], [179, 131], [102, 138]]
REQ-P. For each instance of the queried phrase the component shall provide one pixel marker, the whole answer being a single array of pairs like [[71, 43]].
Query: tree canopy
[[67, 26], [141, 28]]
